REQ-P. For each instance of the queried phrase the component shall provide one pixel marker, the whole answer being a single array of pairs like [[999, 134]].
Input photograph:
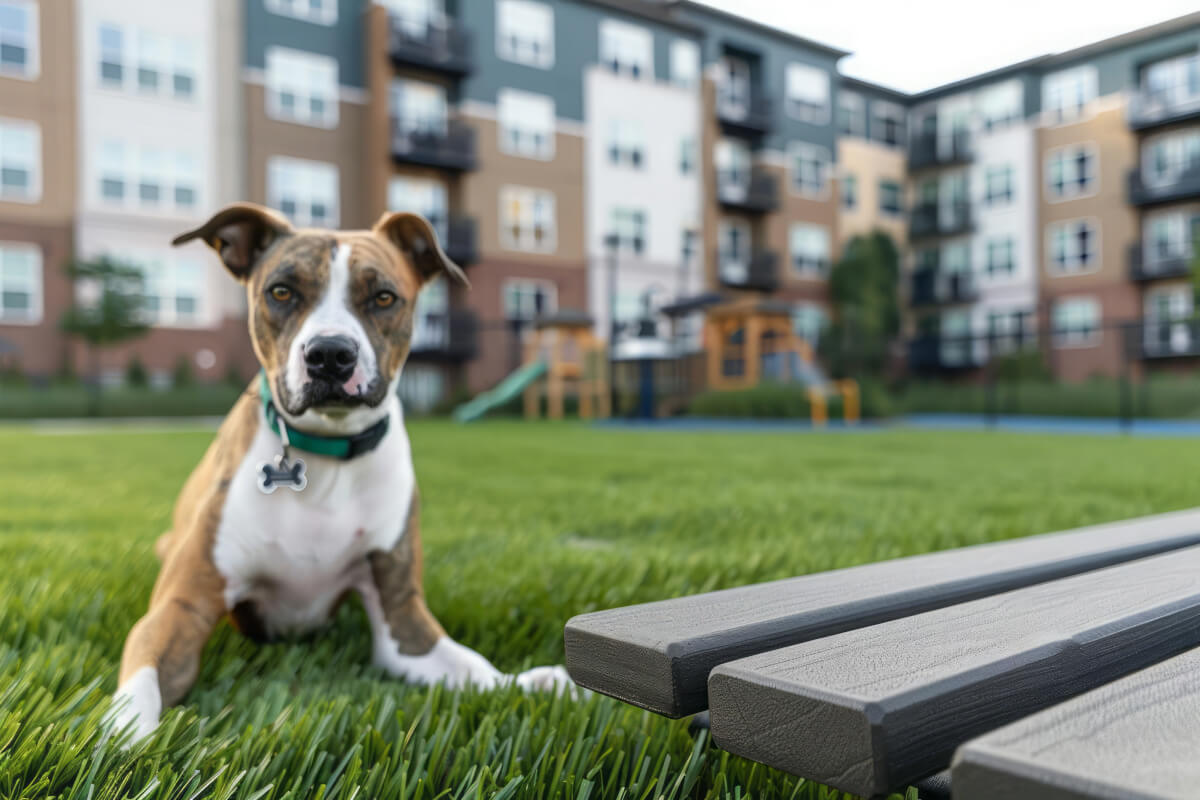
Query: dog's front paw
[[547, 679], [137, 706], [459, 666]]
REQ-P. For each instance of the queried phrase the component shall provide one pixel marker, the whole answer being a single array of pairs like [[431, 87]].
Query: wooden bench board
[[658, 655], [877, 708], [1138, 737]]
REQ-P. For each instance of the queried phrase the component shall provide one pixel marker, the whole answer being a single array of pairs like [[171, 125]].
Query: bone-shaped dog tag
[[281, 473]]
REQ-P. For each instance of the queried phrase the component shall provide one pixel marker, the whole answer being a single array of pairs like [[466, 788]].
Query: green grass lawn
[[524, 525]]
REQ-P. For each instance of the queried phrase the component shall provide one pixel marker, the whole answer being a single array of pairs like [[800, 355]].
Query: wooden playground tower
[[746, 342], [576, 363]]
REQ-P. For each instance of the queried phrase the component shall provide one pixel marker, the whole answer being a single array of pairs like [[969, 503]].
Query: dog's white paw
[[448, 662], [137, 706], [547, 679]]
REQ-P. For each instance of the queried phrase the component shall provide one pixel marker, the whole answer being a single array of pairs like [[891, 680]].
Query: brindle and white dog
[[331, 320]]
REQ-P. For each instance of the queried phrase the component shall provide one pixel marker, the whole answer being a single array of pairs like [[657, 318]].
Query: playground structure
[[576, 364], [746, 343]]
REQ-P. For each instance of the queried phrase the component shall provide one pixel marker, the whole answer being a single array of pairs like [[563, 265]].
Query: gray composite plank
[[658, 655], [1134, 739], [878, 708]]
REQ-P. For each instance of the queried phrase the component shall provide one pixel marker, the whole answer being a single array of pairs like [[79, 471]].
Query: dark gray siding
[[1119, 68], [342, 40], [871, 97]]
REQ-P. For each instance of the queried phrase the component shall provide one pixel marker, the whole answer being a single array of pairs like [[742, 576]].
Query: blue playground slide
[[503, 392]]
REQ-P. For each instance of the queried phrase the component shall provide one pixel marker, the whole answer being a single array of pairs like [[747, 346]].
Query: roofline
[[760, 27], [651, 11], [1129, 37], [895, 95], [983, 77]]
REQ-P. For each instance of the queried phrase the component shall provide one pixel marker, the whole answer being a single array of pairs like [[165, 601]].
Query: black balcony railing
[[1170, 339], [1185, 185], [448, 336], [1151, 266], [750, 116], [930, 150], [1149, 109], [933, 353], [761, 274], [931, 219], [445, 46], [935, 287], [449, 146], [755, 191]]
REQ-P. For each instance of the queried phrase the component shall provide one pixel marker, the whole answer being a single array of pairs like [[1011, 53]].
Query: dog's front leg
[[162, 653]]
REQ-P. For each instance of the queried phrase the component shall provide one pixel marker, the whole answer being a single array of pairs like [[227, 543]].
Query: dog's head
[[330, 312]]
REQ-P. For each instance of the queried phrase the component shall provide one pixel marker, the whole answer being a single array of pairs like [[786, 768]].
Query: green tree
[[111, 313], [864, 291]]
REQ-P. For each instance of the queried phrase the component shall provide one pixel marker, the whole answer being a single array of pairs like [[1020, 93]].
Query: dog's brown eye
[[385, 299], [281, 293]]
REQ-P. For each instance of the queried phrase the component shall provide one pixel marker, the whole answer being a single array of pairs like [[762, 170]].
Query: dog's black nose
[[331, 358]]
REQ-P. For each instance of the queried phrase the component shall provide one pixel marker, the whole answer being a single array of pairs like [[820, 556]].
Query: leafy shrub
[[135, 373]]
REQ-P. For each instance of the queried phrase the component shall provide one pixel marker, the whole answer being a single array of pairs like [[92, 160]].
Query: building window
[[322, 12], [891, 198], [887, 123], [527, 219], [149, 178], [1172, 81], [1165, 158], [526, 300], [809, 247], [807, 97], [417, 107], [685, 63], [852, 114], [20, 161], [629, 228], [1071, 172], [1076, 322], [20, 283], [526, 124], [112, 56], [733, 250], [733, 87], [1066, 93], [158, 65], [809, 321], [1074, 247], [998, 185], [172, 290], [1000, 256], [1001, 105], [733, 161], [422, 196], [627, 49], [305, 191], [626, 144], [525, 32], [809, 169], [687, 156], [849, 191], [302, 87], [1170, 235], [19, 39]]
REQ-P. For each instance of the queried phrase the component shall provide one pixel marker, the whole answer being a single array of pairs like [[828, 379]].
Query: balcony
[[1185, 185], [933, 287], [756, 192], [1156, 266], [933, 353], [449, 146], [940, 220], [445, 336], [445, 47], [745, 117], [457, 237], [1171, 339], [761, 274], [1151, 109], [929, 150]]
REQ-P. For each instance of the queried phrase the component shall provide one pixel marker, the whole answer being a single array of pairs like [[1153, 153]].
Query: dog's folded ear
[[240, 233], [415, 237]]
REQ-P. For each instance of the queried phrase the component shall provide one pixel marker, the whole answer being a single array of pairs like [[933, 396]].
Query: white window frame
[[799, 260], [309, 174], [281, 60], [524, 240], [515, 106], [32, 43], [1069, 339], [824, 159], [899, 210], [1183, 152], [36, 286], [512, 14], [992, 170], [1000, 243], [430, 200], [525, 287], [856, 105], [626, 145], [1073, 262], [627, 49], [685, 52], [327, 14], [9, 126], [1071, 189], [170, 273], [1084, 78], [800, 107], [630, 226], [430, 116]]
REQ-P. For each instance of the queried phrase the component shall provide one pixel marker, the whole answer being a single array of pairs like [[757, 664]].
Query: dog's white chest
[[293, 554]]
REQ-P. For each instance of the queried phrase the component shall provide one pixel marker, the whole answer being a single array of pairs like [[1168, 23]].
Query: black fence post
[[991, 411]]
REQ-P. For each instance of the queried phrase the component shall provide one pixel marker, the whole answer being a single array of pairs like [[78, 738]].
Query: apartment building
[[872, 129]]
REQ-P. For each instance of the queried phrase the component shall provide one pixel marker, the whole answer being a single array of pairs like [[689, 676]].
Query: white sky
[[920, 44]]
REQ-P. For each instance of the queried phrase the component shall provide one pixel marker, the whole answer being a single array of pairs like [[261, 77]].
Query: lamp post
[[612, 243]]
